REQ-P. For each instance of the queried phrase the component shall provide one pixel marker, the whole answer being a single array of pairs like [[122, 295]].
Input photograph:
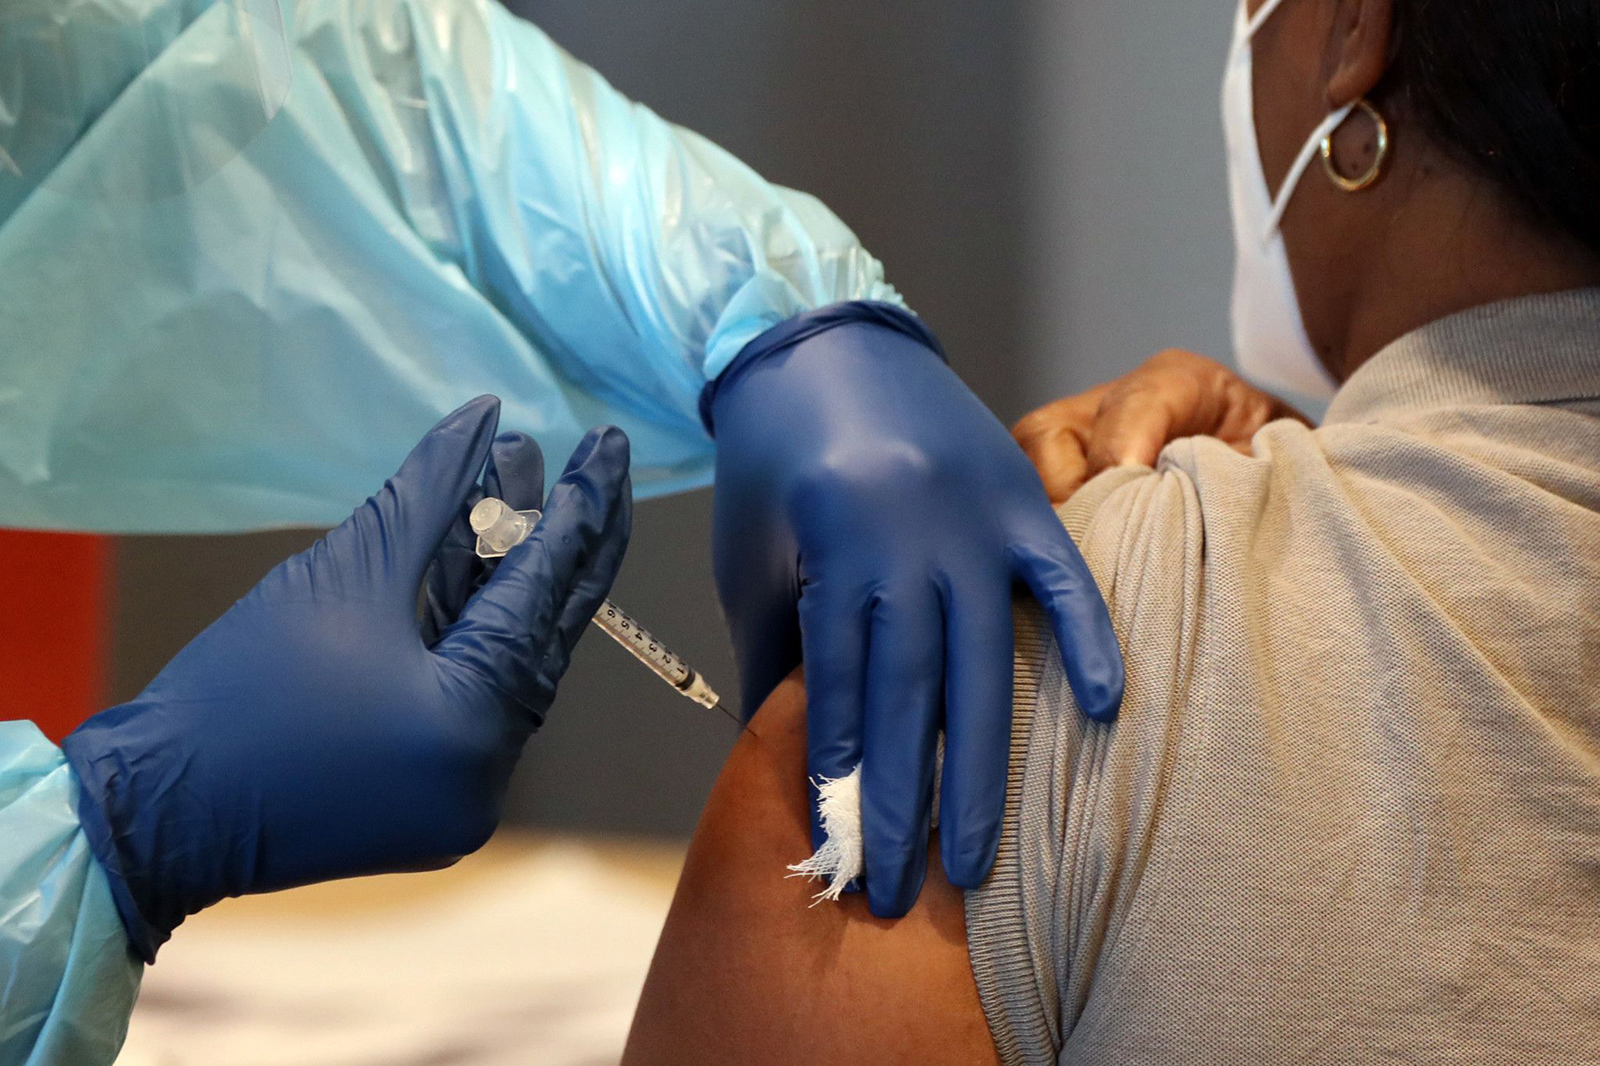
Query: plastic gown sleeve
[[446, 204], [67, 978]]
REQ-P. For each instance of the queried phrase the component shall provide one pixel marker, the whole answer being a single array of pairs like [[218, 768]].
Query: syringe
[[500, 528]]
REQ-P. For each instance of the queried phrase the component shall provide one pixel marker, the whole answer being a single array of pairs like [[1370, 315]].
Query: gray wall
[[911, 129], [1128, 241]]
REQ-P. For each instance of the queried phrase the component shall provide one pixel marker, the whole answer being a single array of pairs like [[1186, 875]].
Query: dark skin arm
[[748, 971]]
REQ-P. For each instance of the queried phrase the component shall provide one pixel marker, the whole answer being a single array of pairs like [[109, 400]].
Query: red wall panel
[[55, 600]]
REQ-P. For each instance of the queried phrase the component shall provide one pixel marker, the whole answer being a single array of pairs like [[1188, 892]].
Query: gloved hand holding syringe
[[500, 528]]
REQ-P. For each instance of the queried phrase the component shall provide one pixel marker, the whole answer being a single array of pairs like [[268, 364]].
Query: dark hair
[[1512, 88]]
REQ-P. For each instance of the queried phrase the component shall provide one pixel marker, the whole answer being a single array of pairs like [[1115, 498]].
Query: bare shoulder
[[748, 971]]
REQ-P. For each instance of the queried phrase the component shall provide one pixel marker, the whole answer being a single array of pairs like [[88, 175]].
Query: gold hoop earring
[[1360, 182]]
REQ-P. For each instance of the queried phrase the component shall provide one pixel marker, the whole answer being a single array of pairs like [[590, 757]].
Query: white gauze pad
[[839, 860]]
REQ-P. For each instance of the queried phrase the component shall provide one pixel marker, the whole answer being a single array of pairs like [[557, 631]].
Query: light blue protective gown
[[67, 979], [445, 205]]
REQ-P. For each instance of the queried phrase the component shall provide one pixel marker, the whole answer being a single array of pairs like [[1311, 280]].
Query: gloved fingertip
[[892, 890], [610, 445], [474, 412], [483, 399], [593, 493], [515, 471], [606, 441], [1090, 651], [968, 868], [463, 440], [1105, 714], [1098, 692], [415, 509], [896, 863], [887, 909], [514, 447]]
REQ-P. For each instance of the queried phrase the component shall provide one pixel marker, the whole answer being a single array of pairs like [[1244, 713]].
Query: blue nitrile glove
[[870, 509], [311, 733]]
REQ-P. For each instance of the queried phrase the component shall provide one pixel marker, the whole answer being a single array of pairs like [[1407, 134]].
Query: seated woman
[[1351, 809]]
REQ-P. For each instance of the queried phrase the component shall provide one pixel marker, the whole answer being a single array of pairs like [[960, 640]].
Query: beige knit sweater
[[1351, 810]]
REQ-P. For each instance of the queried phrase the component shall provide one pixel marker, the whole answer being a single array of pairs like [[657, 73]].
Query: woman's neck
[[1453, 244]]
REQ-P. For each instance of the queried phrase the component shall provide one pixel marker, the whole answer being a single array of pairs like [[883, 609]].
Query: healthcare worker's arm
[[638, 256], [445, 204], [318, 730]]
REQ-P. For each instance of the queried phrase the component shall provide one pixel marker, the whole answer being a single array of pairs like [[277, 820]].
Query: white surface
[[537, 960]]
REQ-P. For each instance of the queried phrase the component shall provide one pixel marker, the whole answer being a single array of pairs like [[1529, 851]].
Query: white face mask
[[1269, 335]]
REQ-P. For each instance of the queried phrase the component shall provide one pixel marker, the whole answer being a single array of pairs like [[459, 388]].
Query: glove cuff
[[97, 771], [786, 335]]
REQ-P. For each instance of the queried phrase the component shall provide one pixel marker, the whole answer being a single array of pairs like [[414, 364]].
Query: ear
[[1358, 48]]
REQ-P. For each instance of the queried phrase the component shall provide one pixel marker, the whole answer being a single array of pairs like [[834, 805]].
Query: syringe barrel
[[646, 648]]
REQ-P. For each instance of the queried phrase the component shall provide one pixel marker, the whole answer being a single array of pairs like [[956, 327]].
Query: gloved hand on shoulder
[[872, 512]]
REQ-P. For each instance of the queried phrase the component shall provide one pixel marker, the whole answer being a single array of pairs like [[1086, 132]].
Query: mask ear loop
[[1263, 13], [1361, 181], [1323, 132]]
